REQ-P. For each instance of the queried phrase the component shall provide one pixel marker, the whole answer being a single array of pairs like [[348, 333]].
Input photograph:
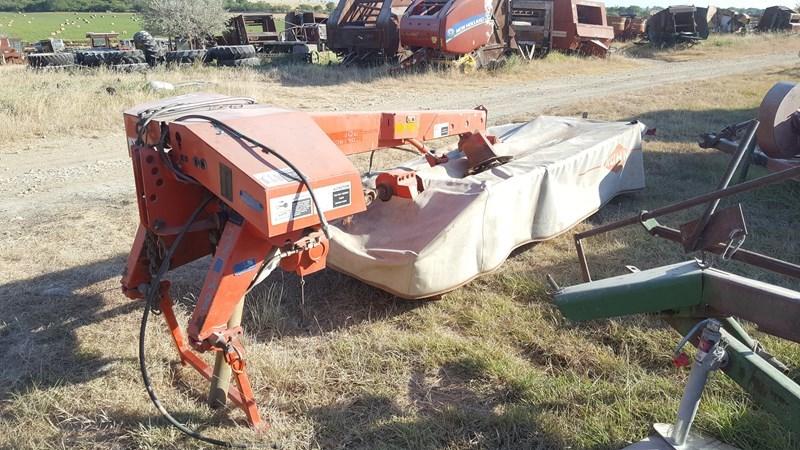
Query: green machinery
[[703, 302]]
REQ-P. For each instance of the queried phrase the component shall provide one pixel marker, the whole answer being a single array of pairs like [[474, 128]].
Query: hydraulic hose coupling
[[710, 356]]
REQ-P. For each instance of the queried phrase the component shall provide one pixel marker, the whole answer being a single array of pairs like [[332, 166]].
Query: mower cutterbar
[[250, 184]]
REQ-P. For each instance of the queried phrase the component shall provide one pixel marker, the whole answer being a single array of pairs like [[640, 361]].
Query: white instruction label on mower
[[441, 130], [296, 206], [277, 177]]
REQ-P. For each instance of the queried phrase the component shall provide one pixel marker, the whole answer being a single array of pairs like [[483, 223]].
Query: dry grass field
[[490, 365]]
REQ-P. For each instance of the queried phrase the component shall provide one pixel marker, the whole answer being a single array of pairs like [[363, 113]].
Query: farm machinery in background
[[366, 31], [777, 138], [257, 188], [485, 32], [679, 25], [699, 299], [304, 34], [729, 21], [627, 27], [779, 18], [472, 32], [105, 49], [11, 51]]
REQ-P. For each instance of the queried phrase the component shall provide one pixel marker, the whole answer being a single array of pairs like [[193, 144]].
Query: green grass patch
[[70, 26]]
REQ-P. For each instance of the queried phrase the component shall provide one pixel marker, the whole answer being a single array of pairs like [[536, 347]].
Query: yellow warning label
[[405, 128]]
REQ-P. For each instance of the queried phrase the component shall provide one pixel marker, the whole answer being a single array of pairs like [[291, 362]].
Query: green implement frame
[[686, 293]]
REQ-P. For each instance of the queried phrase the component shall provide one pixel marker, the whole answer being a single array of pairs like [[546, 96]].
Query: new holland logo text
[[466, 25]]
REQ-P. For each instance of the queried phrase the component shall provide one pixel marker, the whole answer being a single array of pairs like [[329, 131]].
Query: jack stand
[[221, 377], [710, 357]]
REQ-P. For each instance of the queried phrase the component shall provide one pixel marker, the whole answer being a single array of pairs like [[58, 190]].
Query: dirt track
[[69, 170]]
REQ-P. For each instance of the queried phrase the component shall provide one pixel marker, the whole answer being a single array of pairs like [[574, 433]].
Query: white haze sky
[[720, 3]]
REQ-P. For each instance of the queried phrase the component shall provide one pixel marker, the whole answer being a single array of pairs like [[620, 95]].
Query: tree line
[[138, 5], [239, 6]]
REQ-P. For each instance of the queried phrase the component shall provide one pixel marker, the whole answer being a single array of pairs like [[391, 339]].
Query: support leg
[[242, 397], [221, 378]]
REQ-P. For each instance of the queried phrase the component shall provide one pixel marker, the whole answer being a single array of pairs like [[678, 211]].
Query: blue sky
[[721, 3]]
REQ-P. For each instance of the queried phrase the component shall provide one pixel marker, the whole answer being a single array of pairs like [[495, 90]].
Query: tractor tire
[[145, 42], [246, 62], [186, 56], [40, 60], [116, 58], [231, 52], [94, 58]]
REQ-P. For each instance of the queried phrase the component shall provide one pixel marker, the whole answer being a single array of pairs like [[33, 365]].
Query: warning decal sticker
[[296, 206]]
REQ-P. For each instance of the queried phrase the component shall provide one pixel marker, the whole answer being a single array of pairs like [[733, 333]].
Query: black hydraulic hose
[[150, 296], [238, 135]]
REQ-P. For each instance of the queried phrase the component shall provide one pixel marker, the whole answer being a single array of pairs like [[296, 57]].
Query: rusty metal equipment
[[695, 296], [103, 40], [729, 21], [306, 26], [226, 177], [679, 25], [11, 51], [779, 18], [627, 27], [242, 30], [581, 26], [49, 46], [484, 32], [304, 34], [778, 134], [366, 31], [530, 27]]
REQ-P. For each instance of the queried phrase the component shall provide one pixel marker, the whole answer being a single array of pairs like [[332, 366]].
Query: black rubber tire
[[231, 52], [145, 42], [94, 58], [39, 60], [186, 56], [126, 57], [246, 62], [99, 58]]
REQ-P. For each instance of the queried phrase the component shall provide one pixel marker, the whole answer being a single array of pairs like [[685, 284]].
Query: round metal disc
[[776, 135]]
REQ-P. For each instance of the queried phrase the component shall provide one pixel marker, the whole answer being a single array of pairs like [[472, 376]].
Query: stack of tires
[[233, 55], [51, 60], [186, 56], [125, 60]]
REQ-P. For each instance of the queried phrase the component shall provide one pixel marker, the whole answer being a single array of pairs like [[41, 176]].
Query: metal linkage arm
[[362, 132], [679, 206]]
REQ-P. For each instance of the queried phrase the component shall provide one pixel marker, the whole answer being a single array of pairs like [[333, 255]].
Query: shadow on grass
[[447, 413], [290, 72], [39, 318], [284, 305]]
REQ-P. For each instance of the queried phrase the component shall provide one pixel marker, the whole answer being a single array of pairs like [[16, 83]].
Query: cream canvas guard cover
[[562, 171]]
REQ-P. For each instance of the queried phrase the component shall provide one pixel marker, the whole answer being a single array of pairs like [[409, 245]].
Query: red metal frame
[[254, 190]]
